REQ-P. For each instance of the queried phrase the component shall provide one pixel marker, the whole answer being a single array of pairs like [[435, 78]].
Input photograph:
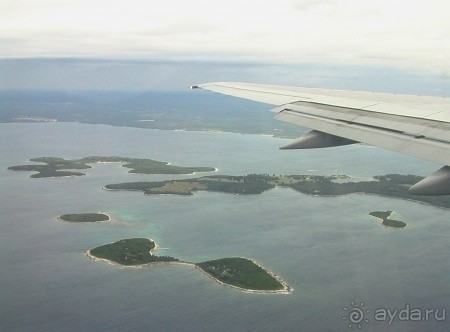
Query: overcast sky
[[264, 41]]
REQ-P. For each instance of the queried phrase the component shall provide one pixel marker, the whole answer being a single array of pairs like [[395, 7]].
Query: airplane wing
[[415, 125]]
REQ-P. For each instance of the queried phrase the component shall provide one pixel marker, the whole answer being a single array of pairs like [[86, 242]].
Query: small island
[[84, 217], [241, 273], [129, 252], [384, 216], [54, 166]]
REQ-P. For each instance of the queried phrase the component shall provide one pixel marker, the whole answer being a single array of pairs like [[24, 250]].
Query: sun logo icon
[[355, 315]]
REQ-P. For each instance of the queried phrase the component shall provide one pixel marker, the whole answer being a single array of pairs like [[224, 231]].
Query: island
[[54, 165], [249, 184], [84, 217], [129, 252], [384, 216], [241, 273], [390, 185]]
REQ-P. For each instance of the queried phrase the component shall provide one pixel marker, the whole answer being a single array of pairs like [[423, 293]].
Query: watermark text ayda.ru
[[357, 315], [409, 314]]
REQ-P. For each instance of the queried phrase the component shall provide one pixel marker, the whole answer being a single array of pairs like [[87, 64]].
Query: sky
[[99, 44]]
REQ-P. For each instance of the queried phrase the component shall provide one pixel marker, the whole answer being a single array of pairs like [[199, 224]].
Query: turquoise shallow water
[[328, 248]]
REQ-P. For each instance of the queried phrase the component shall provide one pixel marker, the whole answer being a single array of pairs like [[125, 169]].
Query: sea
[[348, 271]]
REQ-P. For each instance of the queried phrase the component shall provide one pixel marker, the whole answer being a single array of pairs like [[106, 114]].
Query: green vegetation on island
[[130, 252], [238, 272], [384, 216], [84, 217], [249, 184], [391, 185], [44, 171], [242, 273], [55, 165]]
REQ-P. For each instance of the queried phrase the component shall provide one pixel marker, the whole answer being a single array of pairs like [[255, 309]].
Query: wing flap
[[421, 147], [430, 129]]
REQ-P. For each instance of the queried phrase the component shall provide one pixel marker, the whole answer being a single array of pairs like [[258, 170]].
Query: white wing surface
[[415, 125]]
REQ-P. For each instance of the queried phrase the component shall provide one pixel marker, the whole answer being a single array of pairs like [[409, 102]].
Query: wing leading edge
[[417, 126]]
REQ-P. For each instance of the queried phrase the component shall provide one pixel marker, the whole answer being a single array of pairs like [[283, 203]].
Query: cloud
[[303, 5], [345, 32]]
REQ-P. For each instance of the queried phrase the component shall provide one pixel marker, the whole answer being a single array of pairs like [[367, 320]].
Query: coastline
[[109, 189], [194, 130], [53, 177], [195, 173]]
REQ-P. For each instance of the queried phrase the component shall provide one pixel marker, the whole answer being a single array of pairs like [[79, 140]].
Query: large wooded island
[[390, 185]]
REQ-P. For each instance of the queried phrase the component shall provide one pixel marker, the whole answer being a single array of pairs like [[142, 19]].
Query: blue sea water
[[327, 248]]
